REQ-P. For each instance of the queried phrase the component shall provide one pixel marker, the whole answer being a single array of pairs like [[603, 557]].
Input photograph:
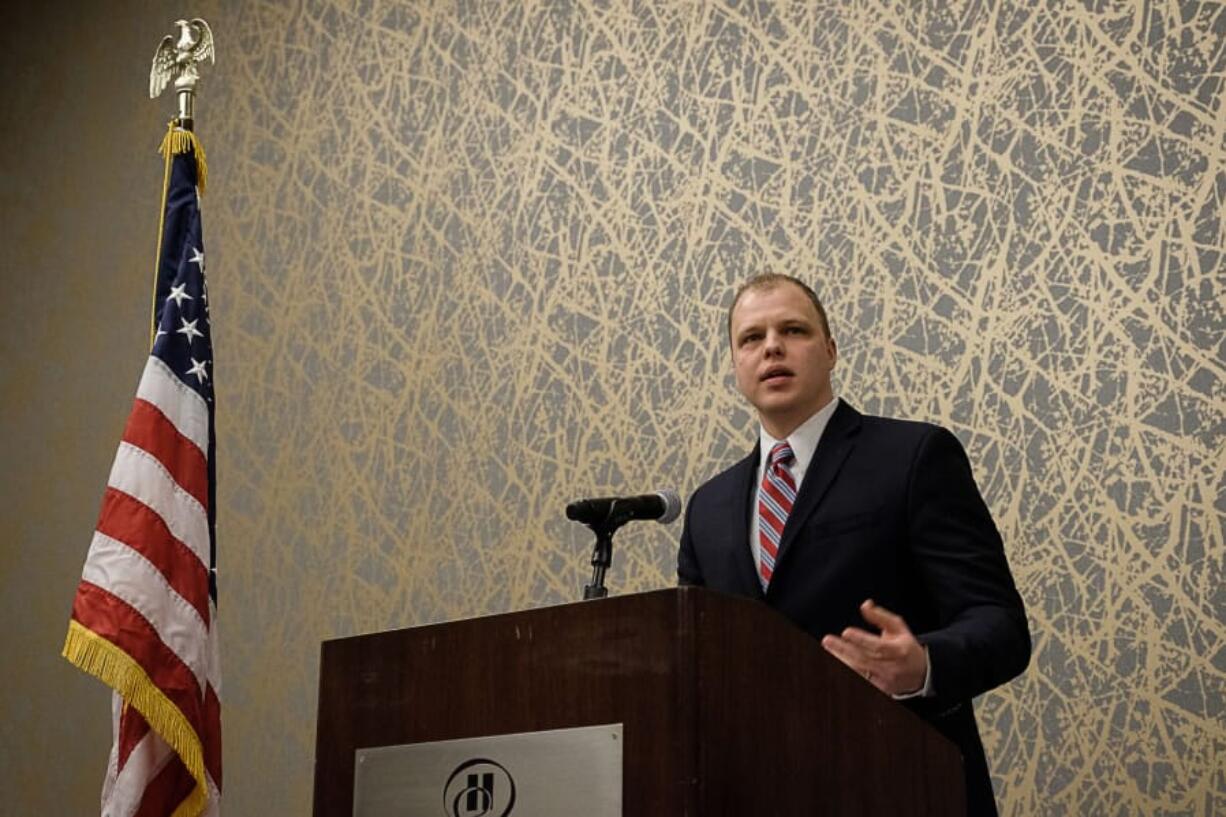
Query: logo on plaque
[[479, 788]]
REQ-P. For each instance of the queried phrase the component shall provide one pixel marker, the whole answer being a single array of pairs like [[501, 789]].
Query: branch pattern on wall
[[472, 261]]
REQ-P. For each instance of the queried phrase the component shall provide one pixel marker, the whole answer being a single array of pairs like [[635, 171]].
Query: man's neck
[[781, 428]]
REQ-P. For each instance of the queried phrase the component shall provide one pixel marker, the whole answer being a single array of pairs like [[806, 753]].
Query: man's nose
[[774, 343]]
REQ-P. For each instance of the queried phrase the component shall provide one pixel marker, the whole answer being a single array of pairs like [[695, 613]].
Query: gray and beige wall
[[471, 260]]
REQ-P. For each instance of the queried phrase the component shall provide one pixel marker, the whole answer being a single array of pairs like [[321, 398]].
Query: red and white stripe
[[145, 589]]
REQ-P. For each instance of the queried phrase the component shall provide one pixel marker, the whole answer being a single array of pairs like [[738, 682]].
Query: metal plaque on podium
[[555, 773]]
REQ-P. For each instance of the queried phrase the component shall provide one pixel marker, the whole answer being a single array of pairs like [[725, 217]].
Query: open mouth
[[776, 374]]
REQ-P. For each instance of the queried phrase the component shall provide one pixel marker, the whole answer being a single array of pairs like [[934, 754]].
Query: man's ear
[[834, 352]]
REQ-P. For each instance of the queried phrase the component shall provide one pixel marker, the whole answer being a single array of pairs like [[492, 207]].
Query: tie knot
[[781, 454]]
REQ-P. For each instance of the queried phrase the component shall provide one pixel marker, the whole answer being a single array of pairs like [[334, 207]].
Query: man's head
[[782, 350]]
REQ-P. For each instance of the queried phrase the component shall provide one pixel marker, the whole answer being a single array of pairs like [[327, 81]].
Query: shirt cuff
[[924, 691]]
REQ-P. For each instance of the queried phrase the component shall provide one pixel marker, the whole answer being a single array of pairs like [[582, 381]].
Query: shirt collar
[[803, 440]]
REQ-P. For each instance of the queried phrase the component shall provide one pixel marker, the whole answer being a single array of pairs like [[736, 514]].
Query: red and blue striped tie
[[775, 500]]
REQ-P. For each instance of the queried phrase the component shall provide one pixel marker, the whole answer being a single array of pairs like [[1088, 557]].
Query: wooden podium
[[726, 707]]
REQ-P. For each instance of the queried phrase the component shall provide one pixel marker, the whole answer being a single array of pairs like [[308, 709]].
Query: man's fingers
[[853, 657], [867, 642], [845, 652], [882, 618]]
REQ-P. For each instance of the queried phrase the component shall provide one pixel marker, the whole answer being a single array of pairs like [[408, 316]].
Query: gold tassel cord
[[118, 670], [178, 141]]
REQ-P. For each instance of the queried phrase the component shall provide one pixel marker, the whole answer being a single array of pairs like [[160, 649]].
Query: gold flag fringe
[[108, 663]]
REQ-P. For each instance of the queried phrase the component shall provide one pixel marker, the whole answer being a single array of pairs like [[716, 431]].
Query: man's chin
[[778, 405], [780, 395]]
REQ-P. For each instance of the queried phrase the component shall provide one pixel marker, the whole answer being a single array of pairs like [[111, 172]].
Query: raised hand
[[893, 660]]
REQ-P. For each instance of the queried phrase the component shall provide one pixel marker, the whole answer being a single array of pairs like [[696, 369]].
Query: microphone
[[663, 506]]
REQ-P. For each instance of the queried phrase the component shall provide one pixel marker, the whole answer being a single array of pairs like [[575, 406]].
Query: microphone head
[[672, 506]]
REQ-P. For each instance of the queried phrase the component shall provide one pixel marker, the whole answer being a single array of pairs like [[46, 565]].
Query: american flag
[[144, 618]]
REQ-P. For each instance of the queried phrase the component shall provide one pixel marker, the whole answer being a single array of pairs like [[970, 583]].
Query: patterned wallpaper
[[471, 261]]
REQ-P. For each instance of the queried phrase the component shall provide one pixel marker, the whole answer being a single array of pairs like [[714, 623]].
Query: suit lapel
[[836, 444], [745, 492]]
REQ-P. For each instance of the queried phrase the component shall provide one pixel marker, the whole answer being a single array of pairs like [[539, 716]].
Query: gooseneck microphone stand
[[602, 557], [602, 553]]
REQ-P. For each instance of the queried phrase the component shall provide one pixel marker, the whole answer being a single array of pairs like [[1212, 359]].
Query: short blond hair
[[770, 280]]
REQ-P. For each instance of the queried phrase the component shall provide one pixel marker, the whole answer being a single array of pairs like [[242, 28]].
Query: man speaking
[[868, 533]]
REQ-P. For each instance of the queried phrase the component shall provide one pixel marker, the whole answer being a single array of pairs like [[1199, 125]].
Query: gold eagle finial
[[177, 59]]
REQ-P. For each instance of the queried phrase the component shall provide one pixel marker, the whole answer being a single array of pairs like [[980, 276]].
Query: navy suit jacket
[[888, 510]]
